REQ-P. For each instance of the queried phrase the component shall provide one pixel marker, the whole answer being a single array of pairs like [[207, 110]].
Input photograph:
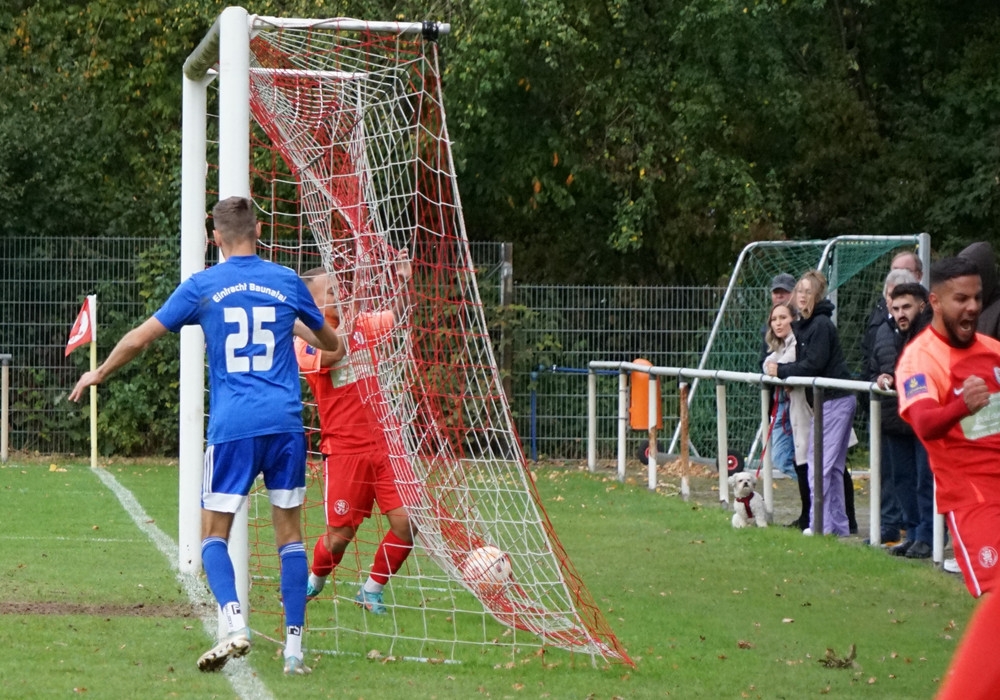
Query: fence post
[[682, 389], [723, 442], [622, 422], [653, 395], [875, 468], [592, 419], [817, 495], [5, 361], [767, 458]]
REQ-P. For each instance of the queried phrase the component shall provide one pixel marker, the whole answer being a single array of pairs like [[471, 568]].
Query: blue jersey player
[[249, 310]]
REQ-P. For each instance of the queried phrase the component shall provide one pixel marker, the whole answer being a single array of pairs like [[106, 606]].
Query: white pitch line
[[244, 681], [68, 539]]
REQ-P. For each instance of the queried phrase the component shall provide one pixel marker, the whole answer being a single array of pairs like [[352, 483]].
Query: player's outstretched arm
[[131, 344], [326, 339]]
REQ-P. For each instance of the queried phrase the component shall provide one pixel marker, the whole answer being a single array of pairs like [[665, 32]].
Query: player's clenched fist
[[975, 393]]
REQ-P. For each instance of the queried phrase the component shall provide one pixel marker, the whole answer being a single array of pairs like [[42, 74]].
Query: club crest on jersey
[[915, 385], [341, 507], [358, 339], [987, 557]]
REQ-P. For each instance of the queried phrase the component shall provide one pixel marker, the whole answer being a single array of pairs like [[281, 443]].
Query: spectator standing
[[894, 517], [906, 260], [982, 255], [904, 459], [782, 446], [818, 354], [793, 402]]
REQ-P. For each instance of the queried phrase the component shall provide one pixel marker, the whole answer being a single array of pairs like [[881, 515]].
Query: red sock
[[974, 673], [324, 560], [391, 554]]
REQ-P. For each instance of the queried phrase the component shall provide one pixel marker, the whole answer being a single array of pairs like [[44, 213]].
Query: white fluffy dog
[[748, 505]]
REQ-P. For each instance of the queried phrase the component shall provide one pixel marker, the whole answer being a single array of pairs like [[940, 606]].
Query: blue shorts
[[231, 468]]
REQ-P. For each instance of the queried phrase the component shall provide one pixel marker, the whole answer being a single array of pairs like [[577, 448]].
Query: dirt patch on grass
[[97, 609]]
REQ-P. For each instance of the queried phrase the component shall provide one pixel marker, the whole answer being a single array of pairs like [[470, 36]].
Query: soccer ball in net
[[487, 570]]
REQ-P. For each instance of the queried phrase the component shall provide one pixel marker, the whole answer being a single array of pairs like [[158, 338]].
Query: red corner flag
[[85, 327]]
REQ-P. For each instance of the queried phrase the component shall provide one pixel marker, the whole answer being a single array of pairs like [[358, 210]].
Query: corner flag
[[85, 327]]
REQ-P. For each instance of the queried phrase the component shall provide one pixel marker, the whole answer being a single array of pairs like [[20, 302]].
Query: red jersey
[[966, 461], [348, 425]]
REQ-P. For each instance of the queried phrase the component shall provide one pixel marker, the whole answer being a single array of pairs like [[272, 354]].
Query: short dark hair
[[914, 289], [234, 219], [947, 269]]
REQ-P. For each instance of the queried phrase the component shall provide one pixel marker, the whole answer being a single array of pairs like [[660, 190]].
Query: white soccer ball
[[487, 570]]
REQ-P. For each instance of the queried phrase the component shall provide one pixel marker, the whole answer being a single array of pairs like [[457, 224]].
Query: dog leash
[[767, 440]]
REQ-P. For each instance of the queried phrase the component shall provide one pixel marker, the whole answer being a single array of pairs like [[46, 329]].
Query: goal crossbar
[[206, 54]]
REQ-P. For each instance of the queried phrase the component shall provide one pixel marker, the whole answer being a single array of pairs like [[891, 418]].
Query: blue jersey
[[247, 307]]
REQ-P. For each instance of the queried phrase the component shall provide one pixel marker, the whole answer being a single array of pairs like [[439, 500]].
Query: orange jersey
[[348, 424], [966, 461]]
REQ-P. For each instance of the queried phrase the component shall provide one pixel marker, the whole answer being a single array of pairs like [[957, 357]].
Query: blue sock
[[294, 578], [219, 570]]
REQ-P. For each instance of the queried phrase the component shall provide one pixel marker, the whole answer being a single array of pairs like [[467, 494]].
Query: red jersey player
[[948, 379], [356, 467]]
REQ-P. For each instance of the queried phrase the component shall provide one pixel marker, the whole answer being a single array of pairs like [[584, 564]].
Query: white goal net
[[350, 164]]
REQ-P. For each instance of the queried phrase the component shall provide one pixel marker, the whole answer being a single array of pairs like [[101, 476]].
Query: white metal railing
[[766, 384]]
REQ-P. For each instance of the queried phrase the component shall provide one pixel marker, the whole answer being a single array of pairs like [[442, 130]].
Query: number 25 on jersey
[[240, 338]]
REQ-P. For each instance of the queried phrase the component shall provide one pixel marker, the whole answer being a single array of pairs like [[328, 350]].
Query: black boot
[[852, 521], [802, 476]]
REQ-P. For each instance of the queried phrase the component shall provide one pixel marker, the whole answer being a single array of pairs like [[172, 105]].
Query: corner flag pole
[[85, 331], [93, 392]]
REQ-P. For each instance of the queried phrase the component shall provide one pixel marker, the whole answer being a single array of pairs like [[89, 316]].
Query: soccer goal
[[336, 128], [855, 266]]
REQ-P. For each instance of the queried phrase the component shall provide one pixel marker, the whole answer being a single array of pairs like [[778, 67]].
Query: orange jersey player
[[948, 379], [357, 472]]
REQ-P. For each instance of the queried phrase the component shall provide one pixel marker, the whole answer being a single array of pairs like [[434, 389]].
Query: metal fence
[[564, 328], [553, 332], [42, 286]]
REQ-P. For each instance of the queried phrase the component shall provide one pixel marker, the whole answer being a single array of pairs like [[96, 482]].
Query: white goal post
[[223, 55]]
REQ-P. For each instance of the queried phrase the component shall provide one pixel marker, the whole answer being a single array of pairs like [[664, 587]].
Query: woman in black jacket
[[818, 354]]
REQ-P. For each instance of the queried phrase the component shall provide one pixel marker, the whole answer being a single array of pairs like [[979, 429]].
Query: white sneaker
[[807, 532], [951, 566], [295, 667], [233, 646]]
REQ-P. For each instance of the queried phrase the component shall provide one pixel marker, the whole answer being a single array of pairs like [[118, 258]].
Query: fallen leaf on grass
[[830, 659]]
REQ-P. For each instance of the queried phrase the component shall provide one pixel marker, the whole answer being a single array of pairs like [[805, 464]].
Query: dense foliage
[[612, 141]]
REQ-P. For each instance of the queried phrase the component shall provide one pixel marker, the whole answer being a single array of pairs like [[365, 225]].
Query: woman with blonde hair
[[781, 342], [818, 354]]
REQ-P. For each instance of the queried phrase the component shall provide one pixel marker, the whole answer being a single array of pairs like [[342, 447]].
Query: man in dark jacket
[[905, 464], [907, 260], [982, 255]]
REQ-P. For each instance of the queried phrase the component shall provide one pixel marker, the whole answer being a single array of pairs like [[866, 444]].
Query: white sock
[[234, 617], [293, 642], [372, 586]]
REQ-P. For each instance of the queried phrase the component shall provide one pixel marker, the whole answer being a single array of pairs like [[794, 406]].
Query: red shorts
[[354, 483], [975, 533]]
